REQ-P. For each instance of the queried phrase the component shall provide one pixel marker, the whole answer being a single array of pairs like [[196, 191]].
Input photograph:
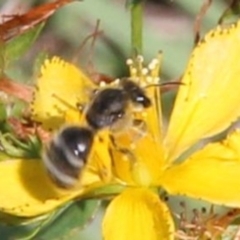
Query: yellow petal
[[60, 87], [137, 162], [138, 214], [100, 162], [211, 174], [27, 191], [208, 101]]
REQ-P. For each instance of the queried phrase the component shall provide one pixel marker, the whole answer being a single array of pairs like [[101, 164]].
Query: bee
[[67, 153]]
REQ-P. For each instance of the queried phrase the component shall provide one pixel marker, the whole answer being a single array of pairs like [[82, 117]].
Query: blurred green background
[[168, 26]]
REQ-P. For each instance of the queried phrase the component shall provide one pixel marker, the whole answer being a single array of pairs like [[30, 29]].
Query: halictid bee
[[67, 153]]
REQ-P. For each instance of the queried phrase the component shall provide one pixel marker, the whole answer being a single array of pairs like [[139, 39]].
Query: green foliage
[[16, 47], [3, 112], [69, 219], [13, 147]]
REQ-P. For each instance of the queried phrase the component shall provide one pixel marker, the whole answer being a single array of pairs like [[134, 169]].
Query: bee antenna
[[165, 86]]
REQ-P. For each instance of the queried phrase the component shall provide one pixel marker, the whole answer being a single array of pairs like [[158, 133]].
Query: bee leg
[[140, 128]]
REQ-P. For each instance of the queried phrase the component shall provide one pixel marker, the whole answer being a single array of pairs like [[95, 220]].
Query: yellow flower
[[145, 158], [152, 161], [27, 189]]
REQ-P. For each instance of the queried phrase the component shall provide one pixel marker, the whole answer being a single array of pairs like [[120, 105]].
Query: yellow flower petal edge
[[208, 100], [211, 174], [138, 214], [60, 87], [27, 191]]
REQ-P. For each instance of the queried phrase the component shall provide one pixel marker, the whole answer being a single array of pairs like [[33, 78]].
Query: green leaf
[[41, 57], [17, 109], [72, 219], [3, 111], [16, 47], [8, 220], [73, 216], [231, 13], [12, 227], [14, 147]]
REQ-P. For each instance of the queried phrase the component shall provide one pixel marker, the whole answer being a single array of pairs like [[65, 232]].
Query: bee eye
[[135, 93], [142, 100]]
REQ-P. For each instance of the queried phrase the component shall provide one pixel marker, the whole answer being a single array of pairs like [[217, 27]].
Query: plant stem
[[136, 26]]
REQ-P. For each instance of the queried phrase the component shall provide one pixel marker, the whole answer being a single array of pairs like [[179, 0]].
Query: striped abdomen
[[67, 153]]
